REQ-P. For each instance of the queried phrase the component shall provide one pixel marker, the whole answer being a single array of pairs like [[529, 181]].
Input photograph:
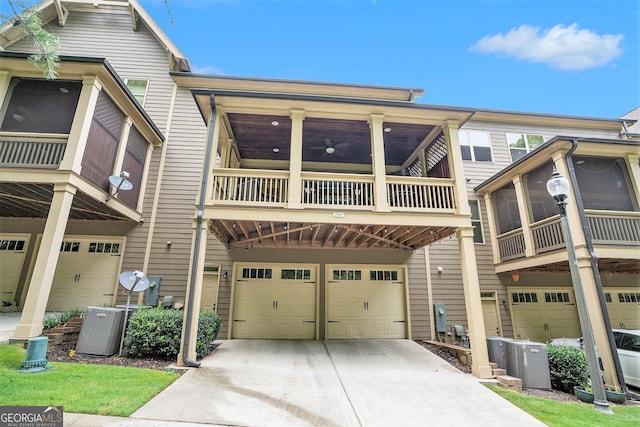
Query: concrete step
[[498, 372], [493, 365]]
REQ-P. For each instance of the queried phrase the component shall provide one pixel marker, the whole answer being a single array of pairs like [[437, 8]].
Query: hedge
[[568, 367], [156, 332]]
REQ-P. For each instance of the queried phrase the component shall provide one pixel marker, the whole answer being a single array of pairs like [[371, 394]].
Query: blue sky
[[569, 57]]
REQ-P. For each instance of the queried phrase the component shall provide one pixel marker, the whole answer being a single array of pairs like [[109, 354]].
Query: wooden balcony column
[[226, 145], [122, 147], [295, 160], [213, 137], [456, 167], [493, 232], [573, 216], [529, 248], [378, 163], [633, 166], [5, 81], [82, 119], [46, 261]]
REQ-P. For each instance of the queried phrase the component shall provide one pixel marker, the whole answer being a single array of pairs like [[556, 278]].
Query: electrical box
[[440, 314], [152, 292]]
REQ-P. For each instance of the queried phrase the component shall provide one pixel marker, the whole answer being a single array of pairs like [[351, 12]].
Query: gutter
[[196, 250], [594, 267]]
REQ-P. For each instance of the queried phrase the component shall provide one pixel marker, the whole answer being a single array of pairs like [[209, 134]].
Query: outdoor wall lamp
[[225, 275], [558, 188]]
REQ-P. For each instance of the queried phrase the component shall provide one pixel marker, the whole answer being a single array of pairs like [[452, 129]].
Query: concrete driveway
[[329, 383]]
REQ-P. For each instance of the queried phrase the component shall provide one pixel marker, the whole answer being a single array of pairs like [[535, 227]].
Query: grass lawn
[[85, 389], [570, 414]]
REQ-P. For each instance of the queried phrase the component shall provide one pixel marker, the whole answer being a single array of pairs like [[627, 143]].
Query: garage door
[[13, 248], [623, 305], [542, 314], [275, 301], [87, 273], [365, 302]]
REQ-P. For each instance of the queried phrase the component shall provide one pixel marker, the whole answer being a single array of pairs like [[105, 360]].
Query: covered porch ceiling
[[33, 200], [275, 234], [607, 265]]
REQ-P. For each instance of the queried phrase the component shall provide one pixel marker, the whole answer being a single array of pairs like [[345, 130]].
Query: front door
[[491, 320]]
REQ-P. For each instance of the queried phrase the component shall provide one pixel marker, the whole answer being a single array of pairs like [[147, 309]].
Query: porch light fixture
[[275, 123], [121, 182], [558, 188], [387, 129], [275, 149]]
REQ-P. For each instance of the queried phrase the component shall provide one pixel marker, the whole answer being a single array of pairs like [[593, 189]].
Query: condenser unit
[[528, 361], [497, 351], [101, 331]]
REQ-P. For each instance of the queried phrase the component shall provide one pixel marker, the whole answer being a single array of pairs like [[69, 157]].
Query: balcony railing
[[547, 235], [617, 228], [254, 188], [422, 194], [511, 245], [31, 151]]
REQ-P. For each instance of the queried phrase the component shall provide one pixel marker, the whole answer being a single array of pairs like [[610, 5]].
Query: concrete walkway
[[332, 383]]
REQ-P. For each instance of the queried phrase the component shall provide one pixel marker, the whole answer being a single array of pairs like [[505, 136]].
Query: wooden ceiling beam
[[378, 238], [230, 229], [245, 230]]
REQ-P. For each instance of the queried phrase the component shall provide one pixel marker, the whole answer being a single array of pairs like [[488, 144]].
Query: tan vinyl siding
[[418, 297], [178, 197]]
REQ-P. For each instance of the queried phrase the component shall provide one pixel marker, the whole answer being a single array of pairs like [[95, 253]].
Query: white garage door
[[275, 301], [365, 302], [87, 273], [623, 305], [13, 248], [541, 314]]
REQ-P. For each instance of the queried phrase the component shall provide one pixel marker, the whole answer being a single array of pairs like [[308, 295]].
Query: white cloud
[[561, 47], [207, 69]]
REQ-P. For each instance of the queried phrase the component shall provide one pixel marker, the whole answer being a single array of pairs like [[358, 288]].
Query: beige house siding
[[418, 297], [178, 196]]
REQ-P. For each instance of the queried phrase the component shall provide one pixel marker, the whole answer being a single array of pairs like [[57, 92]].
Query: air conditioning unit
[[497, 351], [528, 361], [101, 331]]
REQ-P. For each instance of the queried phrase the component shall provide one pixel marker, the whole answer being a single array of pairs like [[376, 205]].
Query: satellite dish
[[133, 282], [121, 182]]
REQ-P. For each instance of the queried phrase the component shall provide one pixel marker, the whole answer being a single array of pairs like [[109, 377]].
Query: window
[[12, 245], [505, 207], [520, 144], [520, 297], [383, 275], [541, 204], [475, 145], [256, 273], [139, 89], [41, 106], [347, 275], [104, 248], [557, 297], [604, 183], [295, 274], [476, 221]]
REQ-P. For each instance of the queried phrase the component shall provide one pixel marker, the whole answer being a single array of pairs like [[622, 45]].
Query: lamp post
[[558, 188]]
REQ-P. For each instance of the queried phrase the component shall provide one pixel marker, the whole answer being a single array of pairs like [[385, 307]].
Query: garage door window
[[524, 297], [347, 275], [11, 245], [556, 297], [256, 273], [628, 297], [70, 247], [104, 247], [387, 275], [295, 274]]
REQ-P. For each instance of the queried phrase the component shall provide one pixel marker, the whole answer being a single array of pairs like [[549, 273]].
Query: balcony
[[608, 228], [19, 150], [253, 188]]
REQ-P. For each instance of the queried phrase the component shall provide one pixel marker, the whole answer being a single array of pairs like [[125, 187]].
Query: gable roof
[[50, 10]]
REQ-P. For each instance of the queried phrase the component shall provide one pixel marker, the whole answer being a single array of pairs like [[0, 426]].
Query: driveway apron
[[331, 383]]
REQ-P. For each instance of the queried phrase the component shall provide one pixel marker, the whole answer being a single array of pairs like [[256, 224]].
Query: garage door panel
[[623, 305], [277, 305], [373, 301]]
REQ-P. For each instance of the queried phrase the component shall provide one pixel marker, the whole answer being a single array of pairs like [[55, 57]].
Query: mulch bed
[[63, 355]]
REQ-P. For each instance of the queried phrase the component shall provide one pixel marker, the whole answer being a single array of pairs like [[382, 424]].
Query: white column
[[47, 259], [633, 166], [493, 232], [295, 160], [480, 359], [456, 167], [5, 82], [524, 216], [379, 163]]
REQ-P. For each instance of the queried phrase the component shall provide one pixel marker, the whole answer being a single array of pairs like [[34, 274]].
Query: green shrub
[[58, 319], [155, 332], [568, 367]]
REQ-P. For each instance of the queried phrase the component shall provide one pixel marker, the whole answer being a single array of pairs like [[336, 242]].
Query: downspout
[[196, 249], [594, 265]]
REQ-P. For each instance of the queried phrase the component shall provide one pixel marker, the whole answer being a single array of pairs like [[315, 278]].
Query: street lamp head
[[558, 187]]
